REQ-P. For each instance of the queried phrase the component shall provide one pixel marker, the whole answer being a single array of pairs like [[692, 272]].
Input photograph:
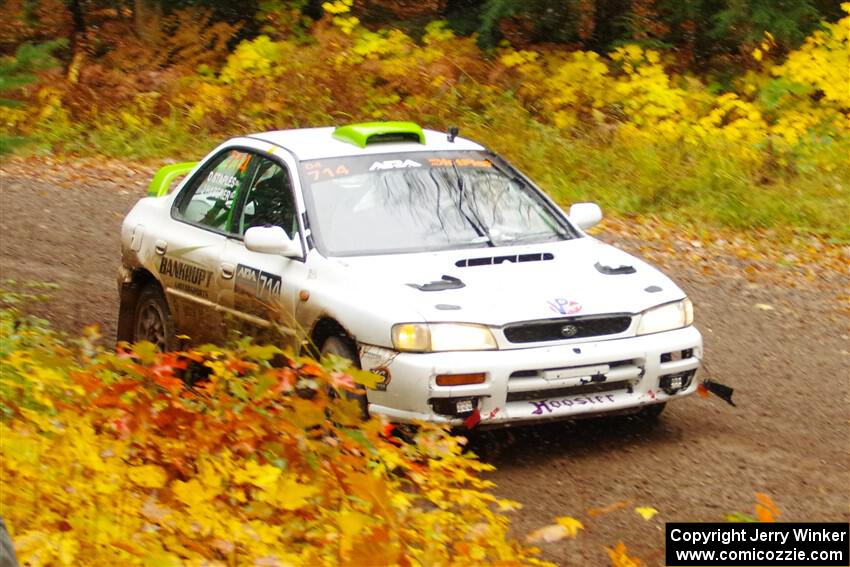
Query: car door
[[260, 298], [190, 251]]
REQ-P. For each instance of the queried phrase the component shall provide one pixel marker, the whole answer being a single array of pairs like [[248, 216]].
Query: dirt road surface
[[788, 436]]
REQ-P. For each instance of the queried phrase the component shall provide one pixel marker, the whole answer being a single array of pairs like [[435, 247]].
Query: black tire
[[152, 321], [653, 412], [344, 347]]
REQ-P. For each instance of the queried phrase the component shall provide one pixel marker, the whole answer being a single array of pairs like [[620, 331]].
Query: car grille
[[566, 391], [568, 328], [533, 385]]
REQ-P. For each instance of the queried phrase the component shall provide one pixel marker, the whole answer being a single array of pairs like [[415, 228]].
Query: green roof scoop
[[366, 133]]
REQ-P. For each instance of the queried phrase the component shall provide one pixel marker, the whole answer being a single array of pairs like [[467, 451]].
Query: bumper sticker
[[385, 374], [564, 306]]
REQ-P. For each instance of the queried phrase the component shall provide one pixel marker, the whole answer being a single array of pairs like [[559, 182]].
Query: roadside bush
[[108, 458]]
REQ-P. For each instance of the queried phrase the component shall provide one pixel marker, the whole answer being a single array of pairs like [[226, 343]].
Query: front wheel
[[653, 412], [153, 320], [345, 348]]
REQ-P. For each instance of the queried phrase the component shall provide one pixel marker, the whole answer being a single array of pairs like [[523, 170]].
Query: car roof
[[319, 143]]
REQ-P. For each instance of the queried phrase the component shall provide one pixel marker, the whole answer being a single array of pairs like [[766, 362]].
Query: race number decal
[[257, 292]]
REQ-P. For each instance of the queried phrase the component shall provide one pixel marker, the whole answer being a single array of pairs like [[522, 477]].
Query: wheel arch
[[131, 287], [325, 327]]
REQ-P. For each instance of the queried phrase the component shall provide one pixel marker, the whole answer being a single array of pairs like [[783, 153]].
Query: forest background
[[712, 112]]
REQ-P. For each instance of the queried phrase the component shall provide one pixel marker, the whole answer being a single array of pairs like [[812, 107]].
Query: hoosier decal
[[185, 272], [550, 405]]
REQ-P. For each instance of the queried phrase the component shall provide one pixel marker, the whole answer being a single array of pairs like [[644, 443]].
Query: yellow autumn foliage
[[104, 462], [620, 127]]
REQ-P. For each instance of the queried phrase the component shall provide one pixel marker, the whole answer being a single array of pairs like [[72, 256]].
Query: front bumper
[[540, 383]]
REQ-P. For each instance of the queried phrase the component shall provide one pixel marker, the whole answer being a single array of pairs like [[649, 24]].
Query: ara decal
[[394, 164]]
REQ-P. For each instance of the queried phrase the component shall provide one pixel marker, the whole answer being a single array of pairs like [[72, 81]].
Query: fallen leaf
[[592, 512], [548, 534], [767, 501], [766, 510], [620, 558], [148, 476], [646, 512], [570, 524], [763, 514]]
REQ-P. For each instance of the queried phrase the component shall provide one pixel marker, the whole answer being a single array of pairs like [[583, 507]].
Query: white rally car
[[418, 255]]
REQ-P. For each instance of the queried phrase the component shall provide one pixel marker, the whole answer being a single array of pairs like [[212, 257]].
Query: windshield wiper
[[478, 226], [539, 237]]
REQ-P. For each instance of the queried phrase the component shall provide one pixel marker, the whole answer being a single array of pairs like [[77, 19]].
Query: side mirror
[[272, 240], [585, 215]]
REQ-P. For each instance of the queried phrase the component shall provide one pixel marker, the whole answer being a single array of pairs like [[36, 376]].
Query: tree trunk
[[79, 38], [144, 13]]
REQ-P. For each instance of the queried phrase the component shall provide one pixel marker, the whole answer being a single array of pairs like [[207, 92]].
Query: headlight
[[666, 317], [423, 337]]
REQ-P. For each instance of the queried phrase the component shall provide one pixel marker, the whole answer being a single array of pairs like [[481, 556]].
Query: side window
[[269, 200], [209, 201]]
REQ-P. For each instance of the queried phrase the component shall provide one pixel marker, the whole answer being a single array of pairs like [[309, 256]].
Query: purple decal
[[547, 406]]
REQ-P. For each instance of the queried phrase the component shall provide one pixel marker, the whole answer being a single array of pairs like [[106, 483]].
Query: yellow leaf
[[208, 476], [292, 495], [261, 476], [190, 493], [68, 549], [570, 524], [148, 476], [365, 378], [646, 512]]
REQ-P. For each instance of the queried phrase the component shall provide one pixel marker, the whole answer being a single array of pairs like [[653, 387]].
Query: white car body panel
[[367, 295]]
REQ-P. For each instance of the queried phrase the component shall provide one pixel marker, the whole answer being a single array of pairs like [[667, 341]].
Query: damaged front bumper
[[539, 383]]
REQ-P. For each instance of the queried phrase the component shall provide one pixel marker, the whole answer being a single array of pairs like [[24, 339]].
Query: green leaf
[[365, 378], [261, 352], [146, 351]]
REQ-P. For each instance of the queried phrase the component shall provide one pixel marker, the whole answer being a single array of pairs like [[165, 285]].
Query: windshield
[[416, 202]]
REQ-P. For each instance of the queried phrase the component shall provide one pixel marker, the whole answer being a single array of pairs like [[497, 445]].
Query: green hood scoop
[[365, 133]]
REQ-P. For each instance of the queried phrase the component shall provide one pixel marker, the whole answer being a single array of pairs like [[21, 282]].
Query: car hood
[[500, 285]]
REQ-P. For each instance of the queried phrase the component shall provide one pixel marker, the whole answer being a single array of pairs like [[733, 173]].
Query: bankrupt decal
[[186, 272]]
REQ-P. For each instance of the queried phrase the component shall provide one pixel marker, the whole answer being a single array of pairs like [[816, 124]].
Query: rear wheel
[[345, 348], [153, 320]]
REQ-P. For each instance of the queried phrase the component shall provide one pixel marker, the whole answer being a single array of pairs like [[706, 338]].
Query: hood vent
[[512, 258]]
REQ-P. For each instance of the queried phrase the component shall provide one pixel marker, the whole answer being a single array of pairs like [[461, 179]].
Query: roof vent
[[365, 133], [491, 260]]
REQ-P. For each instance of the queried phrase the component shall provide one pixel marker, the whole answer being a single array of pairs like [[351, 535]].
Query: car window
[[269, 200], [210, 199], [417, 202]]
